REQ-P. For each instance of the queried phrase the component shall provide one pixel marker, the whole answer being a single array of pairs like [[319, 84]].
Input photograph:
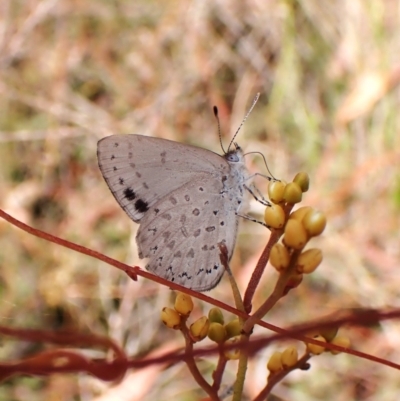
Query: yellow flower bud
[[170, 318], [217, 332], [274, 216], [314, 222], [329, 333], [183, 304], [233, 353], [300, 213], [342, 341], [295, 235], [199, 329], [289, 357], [279, 257], [275, 191], [303, 180], [275, 362], [316, 349], [233, 328], [215, 315], [292, 193], [309, 260]]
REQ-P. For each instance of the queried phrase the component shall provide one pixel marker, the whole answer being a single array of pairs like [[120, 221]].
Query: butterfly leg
[[253, 220], [260, 198]]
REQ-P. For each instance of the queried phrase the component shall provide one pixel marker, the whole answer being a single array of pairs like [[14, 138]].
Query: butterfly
[[185, 199]]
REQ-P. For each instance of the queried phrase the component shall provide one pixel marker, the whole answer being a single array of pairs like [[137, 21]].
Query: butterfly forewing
[[140, 170], [185, 199]]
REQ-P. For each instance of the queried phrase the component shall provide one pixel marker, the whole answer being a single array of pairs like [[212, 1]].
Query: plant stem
[[275, 296], [262, 262], [191, 364], [241, 372], [219, 370], [277, 377]]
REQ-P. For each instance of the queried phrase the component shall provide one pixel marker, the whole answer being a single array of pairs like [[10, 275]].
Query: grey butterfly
[[185, 199]]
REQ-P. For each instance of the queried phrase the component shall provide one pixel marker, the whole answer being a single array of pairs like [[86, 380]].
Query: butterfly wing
[[180, 235], [185, 200], [141, 170]]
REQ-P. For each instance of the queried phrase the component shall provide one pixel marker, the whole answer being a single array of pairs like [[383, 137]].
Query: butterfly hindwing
[[180, 235]]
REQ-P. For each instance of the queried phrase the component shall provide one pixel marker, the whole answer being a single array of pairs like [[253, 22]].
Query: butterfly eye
[[232, 156]]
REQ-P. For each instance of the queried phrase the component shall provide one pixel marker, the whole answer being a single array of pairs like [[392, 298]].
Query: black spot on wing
[[141, 206], [129, 194]]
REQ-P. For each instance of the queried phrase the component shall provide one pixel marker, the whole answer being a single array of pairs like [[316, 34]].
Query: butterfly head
[[234, 155]]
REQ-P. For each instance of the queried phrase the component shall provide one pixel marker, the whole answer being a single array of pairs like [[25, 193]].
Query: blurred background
[[72, 72]]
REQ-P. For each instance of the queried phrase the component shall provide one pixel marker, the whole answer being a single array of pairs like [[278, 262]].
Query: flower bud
[[295, 235], [316, 349], [233, 353], [275, 191], [342, 341], [217, 332], [289, 357], [170, 318], [233, 328], [329, 333], [183, 304], [309, 260], [314, 222], [199, 329], [292, 193], [300, 213], [215, 315], [275, 362], [274, 216], [279, 257], [303, 180]]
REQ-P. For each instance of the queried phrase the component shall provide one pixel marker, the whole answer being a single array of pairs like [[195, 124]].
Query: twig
[[191, 364], [275, 296], [262, 262], [219, 370], [277, 377]]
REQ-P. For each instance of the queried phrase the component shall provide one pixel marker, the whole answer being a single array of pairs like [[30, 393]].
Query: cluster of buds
[[283, 360], [172, 318], [221, 332], [212, 326], [298, 228], [330, 336]]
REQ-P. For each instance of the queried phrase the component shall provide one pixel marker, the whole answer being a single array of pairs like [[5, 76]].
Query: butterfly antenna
[[265, 162], [245, 118], [215, 109]]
